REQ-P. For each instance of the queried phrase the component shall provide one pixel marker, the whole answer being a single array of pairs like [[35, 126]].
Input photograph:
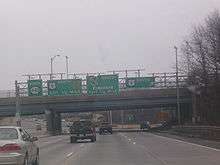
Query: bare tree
[[201, 61], [201, 51], [212, 37]]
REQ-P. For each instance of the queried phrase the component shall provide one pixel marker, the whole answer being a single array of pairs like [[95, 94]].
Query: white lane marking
[[126, 137], [69, 155], [52, 141], [72, 155], [148, 152], [151, 153], [180, 141]]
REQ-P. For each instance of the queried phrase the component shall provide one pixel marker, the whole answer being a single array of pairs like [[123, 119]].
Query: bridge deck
[[135, 94]]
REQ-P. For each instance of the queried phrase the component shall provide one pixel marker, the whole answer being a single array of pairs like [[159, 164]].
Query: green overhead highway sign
[[35, 88], [140, 82], [102, 85], [64, 87]]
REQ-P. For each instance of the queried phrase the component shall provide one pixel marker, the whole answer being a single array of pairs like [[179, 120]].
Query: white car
[[17, 147]]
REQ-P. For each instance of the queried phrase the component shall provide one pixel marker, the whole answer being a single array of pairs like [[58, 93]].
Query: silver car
[[17, 147]]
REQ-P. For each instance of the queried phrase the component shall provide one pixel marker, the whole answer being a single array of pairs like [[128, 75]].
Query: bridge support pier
[[53, 122]]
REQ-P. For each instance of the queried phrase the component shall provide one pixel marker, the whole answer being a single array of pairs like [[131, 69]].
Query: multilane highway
[[126, 149]]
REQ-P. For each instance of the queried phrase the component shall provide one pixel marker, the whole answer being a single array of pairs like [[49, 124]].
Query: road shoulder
[[198, 141]]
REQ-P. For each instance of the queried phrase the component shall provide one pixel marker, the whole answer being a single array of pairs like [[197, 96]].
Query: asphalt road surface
[[126, 149]]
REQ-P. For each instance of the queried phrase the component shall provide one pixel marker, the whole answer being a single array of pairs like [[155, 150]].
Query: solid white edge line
[[198, 145]]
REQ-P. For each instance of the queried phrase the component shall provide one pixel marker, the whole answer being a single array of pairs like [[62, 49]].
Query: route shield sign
[[64, 87], [140, 82], [102, 85], [35, 88]]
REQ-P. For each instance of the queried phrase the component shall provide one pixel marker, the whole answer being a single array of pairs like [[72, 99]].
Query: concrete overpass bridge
[[133, 99], [126, 100], [161, 94]]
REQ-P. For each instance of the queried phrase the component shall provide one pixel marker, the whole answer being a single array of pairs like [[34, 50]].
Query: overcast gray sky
[[97, 35]]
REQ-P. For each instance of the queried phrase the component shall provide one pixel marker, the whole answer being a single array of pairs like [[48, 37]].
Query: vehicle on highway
[[104, 128], [145, 125], [81, 130], [17, 147], [65, 127], [165, 125]]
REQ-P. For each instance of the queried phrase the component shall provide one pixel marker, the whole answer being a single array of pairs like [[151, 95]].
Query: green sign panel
[[140, 82], [130, 117], [64, 87], [102, 85], [35, 88]]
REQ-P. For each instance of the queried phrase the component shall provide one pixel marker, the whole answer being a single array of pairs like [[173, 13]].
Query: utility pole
[[177, 86], [17, 104]]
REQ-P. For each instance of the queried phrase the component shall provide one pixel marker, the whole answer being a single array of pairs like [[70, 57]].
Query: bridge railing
[[162, 80], [7, 93]]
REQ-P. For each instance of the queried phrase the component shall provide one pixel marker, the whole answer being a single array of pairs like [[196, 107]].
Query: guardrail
[[206, 132]]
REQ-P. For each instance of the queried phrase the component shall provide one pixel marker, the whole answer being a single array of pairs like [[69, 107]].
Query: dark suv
[[105, 128], [81, 130]]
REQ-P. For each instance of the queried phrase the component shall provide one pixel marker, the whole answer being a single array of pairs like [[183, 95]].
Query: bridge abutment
[[53, 122]]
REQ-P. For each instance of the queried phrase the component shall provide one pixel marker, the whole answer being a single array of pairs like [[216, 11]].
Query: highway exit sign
[[64, 87], [35, 88], [140, 82], [102, 85]]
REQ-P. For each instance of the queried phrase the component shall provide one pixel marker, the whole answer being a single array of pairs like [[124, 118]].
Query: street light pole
[[51, 68], [67, 67], [177, 86], [51, 65], [18, 110], [188, 59]]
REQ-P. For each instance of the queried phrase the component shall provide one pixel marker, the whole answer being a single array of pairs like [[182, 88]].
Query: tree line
[[200, 60]]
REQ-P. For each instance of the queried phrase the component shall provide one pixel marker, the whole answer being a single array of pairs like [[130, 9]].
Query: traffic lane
[[30, 126], [50, 141], [113, 149], [126, 149], [172, 151], [55, 150]]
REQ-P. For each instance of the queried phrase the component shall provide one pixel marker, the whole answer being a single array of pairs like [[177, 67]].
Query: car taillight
[[10, 147]]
